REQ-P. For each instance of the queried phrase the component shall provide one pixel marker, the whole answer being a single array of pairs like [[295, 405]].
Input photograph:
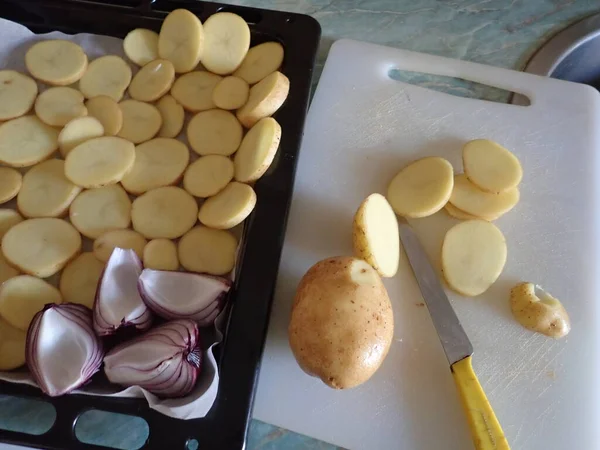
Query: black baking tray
[[226, 425]]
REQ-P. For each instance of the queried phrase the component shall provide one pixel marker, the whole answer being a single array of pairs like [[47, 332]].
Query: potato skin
[[342, 322]]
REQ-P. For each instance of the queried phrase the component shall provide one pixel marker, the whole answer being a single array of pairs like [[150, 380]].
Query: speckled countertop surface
[[503, 33]]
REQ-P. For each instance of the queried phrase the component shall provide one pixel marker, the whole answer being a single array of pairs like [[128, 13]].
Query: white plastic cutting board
[[361, 129]]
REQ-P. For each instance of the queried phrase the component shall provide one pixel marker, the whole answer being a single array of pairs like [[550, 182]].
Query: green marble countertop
[[502, 33]]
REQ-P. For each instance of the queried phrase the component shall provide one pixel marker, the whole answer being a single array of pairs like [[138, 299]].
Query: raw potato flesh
[[231, 93], [422, 188], [208, 175], [10, 183], [181, 40], [226, 42], [46, 192], [472, 200], [459, 213], [100, 161], [194, 91], [261, 60], [12, 346], [125, 239], [26, 141], [166, 212], [265, 98], [56, 62], [172, 114], [205, 250], [96, 211], [141, 46], [214, 132], [22, 297], [141, 121], [77, 131], [8, 219], [108, 112], [152, 81], [59, 105], [490, 166], [6, 270], [257, 150], [79, 279], [108, 75], [229, 207], [473, 256], [17, 94], [161, 254], [375, 235]]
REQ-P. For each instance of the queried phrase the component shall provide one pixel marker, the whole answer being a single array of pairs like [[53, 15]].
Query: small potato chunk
[[231, 93], [226, 42], [172, 114], [56, 62], [6, 270], [208, 175], [472, 200], [26, 141], [77, 131], [490, 166], [108, 75], [8, 219], [181, 40], [17, 94], [229, 207], [11, 181], [12, 346], [59, 105], [79, 279], [459, 214], [257, 150], [375, 235], [422, 188], [538, 311], [261, 60], [214, 132], [194, 91], [141, 121], [108, 112], [265, 98], [141, 46], [125, 239], [161, 254], [152, 81], [205, 250], [473, 256]]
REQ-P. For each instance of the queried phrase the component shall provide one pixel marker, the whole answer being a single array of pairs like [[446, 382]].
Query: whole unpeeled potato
[[342, 322]]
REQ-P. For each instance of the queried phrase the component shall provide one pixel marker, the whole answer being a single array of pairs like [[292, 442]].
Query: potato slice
[[181, 40], [125, 239], [12, 346], [108, 112], [8, 219], [158, 162], [208, 175], [226, 42], [152, 81], [77, 131], [41, 247], [161, 254], [59, 105], [194, 91], [490, 166], [214, 132], [17, 94], [26, 141], [231, 93], [172, 114], [100, 161], [141, 46], [22, 297], [56, 62], [6, 270], [473, 256], [375, 235], [141, 121], [108, 75], [229, 207], [257, 150], [459, 214], [472, 200], [261, 60], [422, 188], [96, 211], [265, 98], [10, 183], [46, 192], [538, 311], [165, 212], [205, 250], [79, 279]]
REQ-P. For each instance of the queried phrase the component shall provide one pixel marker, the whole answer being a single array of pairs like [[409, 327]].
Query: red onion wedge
[[118, 303], [63, 352], [165, 360], [179, 295]]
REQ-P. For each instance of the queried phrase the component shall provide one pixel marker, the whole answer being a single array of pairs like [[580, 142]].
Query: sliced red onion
[[63, 352], [179, 295], [118, 303], [165, 360]]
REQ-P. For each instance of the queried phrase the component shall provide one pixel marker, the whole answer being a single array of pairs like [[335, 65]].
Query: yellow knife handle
[[485, 429]]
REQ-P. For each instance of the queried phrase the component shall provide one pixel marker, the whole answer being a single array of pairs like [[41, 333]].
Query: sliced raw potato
[[12, 346], [41, 247], [459, 213], [77, 131], [261, 60], [226, 42], [22, 297], [108, 75], [158, 162], [472, 200], [490, 166], [231, 93], [194, 91], [208, 175], [257, 150], [205, 250], [59, 105], [375, 235], [141, 46], [100, 161], [79, 279], [265, 98], [6, 270], [473, 256], [96, 211], [172, 114], [152, 81], [422, 188], [46, 192], [181, 40], [56, 62], [10, 183], [8, 219], [26, 141], [161, 254], [125, 239], [141, 121], [229, 207], [166, 212], [214, 132], [108, 112], [17, 94]]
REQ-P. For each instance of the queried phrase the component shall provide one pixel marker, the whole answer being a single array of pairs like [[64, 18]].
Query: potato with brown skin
[[342, 322]]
